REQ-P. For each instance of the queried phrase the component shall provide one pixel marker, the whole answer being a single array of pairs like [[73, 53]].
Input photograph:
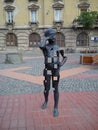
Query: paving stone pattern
[[86, 81]]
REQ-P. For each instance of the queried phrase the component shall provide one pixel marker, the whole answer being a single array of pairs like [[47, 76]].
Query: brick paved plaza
[[21, 95]]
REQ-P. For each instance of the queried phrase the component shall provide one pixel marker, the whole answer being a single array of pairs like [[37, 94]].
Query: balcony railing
[[33, 23], [58, 22], [10, 23]]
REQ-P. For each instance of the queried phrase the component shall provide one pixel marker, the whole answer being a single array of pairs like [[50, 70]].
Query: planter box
[[86, 59], [95, 59]]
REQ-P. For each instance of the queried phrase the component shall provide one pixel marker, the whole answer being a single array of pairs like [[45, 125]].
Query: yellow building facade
[[23, 22]]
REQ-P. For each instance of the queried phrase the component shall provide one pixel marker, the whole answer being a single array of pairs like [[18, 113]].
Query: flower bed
[[88, 51]]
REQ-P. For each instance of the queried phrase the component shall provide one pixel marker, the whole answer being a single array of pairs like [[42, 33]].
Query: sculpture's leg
[[56, 95], [46, 90]]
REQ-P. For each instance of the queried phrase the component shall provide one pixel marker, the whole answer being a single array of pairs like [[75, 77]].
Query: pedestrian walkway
[[77, 111], [21, 90]]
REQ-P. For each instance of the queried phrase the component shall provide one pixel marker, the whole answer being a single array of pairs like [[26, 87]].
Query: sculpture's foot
[[44, 105], [55, 112]]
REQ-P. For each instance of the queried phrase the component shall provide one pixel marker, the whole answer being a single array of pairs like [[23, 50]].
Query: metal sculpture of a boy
[[52, 63]]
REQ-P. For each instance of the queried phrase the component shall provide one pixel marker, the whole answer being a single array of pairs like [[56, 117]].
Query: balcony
[[76, 25], [33, 25], [10, 25], [58, 23], [7, 1]]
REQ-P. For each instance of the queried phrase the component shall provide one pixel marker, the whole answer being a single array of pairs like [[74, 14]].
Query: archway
[[11, 40], [60, 39], [34, 39], [82, 39]]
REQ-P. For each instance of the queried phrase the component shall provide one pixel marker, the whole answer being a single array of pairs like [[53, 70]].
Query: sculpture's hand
[[64, 58], [44, 42], [62, 53]]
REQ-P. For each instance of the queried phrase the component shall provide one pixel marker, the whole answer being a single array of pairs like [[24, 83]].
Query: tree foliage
[[88, 19]]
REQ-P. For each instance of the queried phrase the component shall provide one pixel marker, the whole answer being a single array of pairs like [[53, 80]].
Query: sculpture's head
[[50, 33]]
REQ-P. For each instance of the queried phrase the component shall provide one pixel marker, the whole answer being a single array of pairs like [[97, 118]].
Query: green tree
[[87, 19]]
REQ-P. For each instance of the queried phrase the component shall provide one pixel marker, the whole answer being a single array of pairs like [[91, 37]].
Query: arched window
[[34, 38], [60, 39], [11, 39], [82, 39]]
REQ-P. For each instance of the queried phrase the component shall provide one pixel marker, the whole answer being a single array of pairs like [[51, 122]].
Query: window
[[34, 39], [9, 17], [57, 15], [82, 39], [9, 14], [33, 17], [58, 5], [60, 39], [33, 8], [11, 39]]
